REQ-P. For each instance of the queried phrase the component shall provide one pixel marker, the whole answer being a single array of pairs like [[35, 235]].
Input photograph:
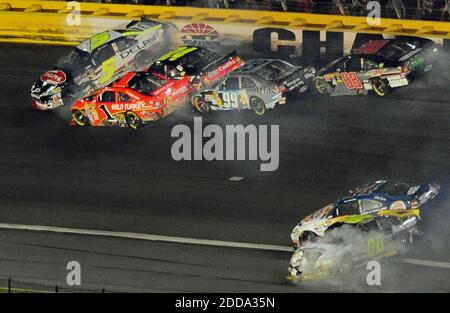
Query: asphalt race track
[[123, 181]]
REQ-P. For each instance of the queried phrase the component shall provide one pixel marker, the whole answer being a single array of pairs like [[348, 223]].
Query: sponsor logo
[[140, 46], [127, 106], [200, 34], [54, 77]]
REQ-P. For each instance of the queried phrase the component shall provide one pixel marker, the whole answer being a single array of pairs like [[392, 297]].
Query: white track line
[[182, 240], [427, 263], [203, 242]]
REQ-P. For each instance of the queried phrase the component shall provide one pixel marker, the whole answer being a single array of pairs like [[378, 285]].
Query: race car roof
[[254, 65], [371, 47], [90, 44]]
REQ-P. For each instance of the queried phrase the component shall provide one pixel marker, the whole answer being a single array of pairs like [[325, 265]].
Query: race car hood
[[48, 83], [317, 226]]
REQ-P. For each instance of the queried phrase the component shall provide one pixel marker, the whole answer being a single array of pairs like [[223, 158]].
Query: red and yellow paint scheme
[[136, 99]]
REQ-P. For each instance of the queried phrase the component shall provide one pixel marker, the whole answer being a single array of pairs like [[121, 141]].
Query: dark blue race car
[[398, 202]]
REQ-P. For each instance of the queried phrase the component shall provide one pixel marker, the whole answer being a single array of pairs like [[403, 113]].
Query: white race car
[[98, 61]]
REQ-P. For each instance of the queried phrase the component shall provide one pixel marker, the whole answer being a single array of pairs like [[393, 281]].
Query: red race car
[[137, 98]]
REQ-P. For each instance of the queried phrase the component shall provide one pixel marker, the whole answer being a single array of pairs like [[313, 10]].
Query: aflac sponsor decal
[[54, 77]]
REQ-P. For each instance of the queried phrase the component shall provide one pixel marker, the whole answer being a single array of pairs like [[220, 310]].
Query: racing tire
[[380, 87], [322, 86], [80, 118], [257, 105], [133, 121], [200, 105]]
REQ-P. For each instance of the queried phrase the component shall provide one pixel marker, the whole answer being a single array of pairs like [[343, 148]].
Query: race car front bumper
[[46, 103]]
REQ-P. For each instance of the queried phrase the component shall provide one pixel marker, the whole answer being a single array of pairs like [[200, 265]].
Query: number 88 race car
[[377, 66]]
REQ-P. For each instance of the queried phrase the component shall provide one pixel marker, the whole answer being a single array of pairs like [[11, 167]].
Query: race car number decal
[[108, 70], [230, 100], [109, 116], [375, 246], [351, 80]]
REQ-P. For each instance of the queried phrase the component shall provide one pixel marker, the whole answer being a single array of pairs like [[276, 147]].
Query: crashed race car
[[377, 66], [379, 207], [98, 61], [136, 99], [203, 67], [238, 92]]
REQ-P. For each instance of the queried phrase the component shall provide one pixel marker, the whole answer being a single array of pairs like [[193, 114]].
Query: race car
[[398, 202], [98, 61], [203, 67], [136, 99], [332, 239], [239, 91], [377, 66]]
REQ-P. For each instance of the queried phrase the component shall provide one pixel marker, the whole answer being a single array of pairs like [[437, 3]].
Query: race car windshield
[[76, 61], [395, 50], [145, 84], [335, 64], [275, 70]]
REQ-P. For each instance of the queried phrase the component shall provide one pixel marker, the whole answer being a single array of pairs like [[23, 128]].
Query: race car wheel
[[380, 87], [80, 118], [257, 105], [322, 86], [133, 120], [200, 105]]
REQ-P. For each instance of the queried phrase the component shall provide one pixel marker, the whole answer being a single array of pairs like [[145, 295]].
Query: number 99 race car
[[239, 91], [377, 66], [100, 60]]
